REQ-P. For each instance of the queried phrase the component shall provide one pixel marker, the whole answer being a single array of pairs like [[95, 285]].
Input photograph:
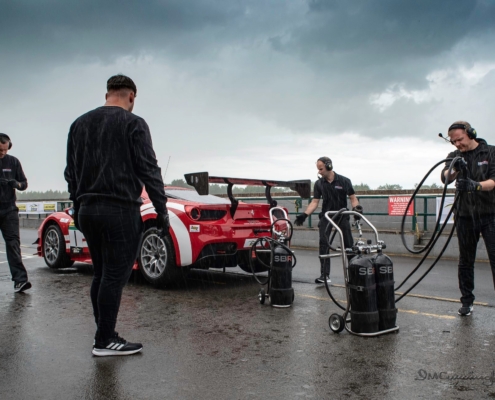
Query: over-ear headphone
[[3, 135], [327, 162], [471, 132]]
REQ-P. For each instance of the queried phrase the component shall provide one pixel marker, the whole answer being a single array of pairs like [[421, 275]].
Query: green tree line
[[214, 189]]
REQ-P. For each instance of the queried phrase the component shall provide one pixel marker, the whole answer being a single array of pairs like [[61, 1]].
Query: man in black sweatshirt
[[12, 177], [109, 157], [474, 172]]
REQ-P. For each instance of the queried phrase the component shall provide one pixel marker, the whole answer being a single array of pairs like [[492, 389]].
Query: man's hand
[[460, 164], [14, 184], [300, 219], [162, 224], [358, 209], [467, 185]]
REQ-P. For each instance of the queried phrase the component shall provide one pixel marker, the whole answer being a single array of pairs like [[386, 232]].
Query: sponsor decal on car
[[193, 228], [248, 243], [76, 250]]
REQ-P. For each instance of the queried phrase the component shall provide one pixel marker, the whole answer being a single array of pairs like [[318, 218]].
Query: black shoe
[[22, 286], [465, 310], [322, 278], [116, 346]]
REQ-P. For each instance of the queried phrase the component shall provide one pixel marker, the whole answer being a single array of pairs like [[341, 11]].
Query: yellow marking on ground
[[422, 296], [400, 310]]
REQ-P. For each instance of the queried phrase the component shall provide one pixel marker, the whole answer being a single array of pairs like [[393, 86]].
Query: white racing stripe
[[181, 232]]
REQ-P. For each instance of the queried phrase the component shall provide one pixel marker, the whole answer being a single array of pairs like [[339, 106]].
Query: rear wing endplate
[[201, 180]]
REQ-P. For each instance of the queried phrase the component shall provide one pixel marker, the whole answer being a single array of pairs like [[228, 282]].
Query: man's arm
[[20, 179], [312, 206], [354, 200], [146, 165]]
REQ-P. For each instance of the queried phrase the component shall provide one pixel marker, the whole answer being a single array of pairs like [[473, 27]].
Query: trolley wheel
[[262, 296], [336, 323]]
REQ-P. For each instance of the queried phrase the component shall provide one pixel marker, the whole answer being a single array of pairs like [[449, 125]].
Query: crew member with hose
[[110, 157], [475, 212], [334, 190]]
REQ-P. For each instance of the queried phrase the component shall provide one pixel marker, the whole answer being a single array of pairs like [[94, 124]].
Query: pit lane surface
[[211, 339]]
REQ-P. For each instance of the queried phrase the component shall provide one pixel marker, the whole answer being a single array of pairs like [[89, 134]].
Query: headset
[[471, 132], [3, 135], [327, 162]]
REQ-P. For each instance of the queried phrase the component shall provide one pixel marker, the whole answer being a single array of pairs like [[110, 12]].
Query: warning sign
[[397, 205]]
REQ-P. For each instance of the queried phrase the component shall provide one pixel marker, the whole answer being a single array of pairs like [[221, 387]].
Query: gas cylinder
[[281, 291], [384, 274], [362, 295]]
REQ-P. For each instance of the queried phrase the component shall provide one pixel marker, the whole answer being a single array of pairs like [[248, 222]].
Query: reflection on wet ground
[[211, 339]]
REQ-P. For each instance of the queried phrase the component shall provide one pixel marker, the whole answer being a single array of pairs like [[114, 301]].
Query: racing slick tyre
[[245, 265], [54, 248], [156, 260], [336, 323]]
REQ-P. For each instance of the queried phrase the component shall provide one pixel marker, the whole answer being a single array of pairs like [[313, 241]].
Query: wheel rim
[[335, 322], [51, 246], [153, 256]]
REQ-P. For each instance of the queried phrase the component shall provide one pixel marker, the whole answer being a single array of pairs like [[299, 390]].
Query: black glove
[[14, 184], [4, 181], [162, 224], [359, 209], [460, 164], [467, 185], [300, 219]]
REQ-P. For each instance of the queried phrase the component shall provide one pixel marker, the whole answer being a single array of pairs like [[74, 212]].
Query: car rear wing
[[201, 180]]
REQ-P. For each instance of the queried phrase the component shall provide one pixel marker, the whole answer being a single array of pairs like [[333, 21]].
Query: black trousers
[[469, 230], [113, 234], [9, 225], [324, 229]]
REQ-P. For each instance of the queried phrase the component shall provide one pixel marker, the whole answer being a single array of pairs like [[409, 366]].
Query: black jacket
[[110, 157], [10, 169], [334, 194], [480, 167]]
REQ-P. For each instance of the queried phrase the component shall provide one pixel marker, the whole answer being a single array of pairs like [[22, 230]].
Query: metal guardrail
[[416, 214]]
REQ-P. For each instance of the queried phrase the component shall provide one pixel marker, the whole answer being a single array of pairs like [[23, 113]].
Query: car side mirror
[[69, 211]]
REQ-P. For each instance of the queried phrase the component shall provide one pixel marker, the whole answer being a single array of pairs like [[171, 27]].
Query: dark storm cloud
[[305, 65], [386, 40]]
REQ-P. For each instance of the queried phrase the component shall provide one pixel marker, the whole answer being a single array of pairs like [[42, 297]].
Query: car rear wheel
[[157, 260], [54, 250]]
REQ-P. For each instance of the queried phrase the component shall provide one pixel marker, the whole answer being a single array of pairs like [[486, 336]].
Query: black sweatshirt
[[481, 167], [10, 169], [109, 157]]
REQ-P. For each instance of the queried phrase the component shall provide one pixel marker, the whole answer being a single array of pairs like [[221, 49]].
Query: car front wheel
[[157, 260]]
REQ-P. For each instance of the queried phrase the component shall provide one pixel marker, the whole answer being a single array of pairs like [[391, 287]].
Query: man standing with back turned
[[109, 157], [474, 170]]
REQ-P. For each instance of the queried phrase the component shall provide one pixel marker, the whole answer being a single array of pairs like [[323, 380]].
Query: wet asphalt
[[212, 339]]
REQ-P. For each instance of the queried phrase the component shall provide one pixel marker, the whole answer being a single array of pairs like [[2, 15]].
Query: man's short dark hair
[[119, 82]]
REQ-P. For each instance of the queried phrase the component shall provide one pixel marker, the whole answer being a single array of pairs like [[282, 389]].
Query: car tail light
[[197, 214]]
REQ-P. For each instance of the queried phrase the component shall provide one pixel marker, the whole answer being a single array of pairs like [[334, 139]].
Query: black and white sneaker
[[116, 346], [22, 286], [465, 310], [322, 278]]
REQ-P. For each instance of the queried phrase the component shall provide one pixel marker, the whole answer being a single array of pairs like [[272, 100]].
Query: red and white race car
[[206, 231]]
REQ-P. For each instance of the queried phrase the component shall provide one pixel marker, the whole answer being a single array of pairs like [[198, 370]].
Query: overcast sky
[[253, 88]]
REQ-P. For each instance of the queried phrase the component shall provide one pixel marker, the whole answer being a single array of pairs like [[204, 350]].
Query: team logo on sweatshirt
[[480, 163], [6, 170]]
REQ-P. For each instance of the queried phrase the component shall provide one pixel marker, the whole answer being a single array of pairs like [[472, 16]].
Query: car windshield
[[191, 195]]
